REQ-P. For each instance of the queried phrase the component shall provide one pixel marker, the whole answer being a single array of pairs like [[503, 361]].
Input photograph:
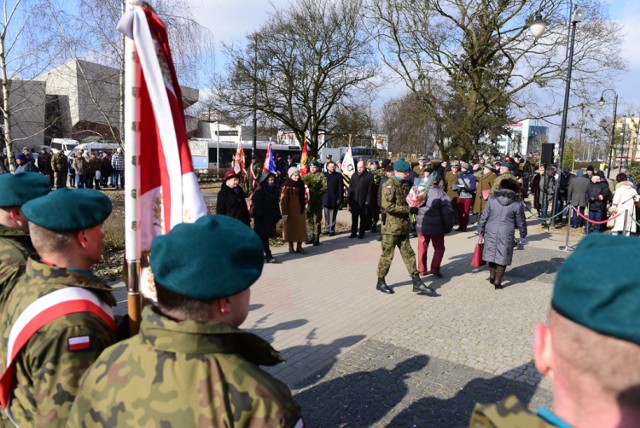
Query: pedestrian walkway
[[358, 357]]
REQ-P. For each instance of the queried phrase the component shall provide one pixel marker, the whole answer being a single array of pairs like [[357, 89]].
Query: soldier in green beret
[[590, 348], [395, 230], [15, 244], [314, 210], [191, 365], [58, 318], [60, 167]]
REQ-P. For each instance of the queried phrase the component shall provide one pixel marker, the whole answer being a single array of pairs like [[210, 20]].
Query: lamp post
[[613, 126], [623, 156], [578, 16]]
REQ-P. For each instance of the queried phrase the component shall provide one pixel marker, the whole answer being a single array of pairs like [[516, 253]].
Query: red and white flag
[[304, 160], [238, 161], [168, 191]]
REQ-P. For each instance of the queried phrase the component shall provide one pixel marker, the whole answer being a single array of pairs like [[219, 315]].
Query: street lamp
[[613, 126], [537, 26], [578, 16]]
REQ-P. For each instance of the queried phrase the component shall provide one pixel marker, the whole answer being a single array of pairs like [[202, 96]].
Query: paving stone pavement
[[358, 357]]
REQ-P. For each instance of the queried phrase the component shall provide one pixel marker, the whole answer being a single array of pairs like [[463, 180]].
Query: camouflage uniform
[[375, 208], [314, 211], [505, 176], [47, 373], [15, 248], [60, 167], [506, 414], [395, 231], [184, 374]]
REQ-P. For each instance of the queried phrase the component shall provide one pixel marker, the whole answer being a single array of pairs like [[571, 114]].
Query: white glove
[[285, 217]]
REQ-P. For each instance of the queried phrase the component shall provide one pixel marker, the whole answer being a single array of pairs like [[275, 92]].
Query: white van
[[97, 146], [64, 144]]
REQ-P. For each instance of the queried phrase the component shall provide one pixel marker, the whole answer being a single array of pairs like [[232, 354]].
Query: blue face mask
[[399, 178]]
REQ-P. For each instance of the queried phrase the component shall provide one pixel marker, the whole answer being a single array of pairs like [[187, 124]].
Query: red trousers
[[464, 206], [438, 252]]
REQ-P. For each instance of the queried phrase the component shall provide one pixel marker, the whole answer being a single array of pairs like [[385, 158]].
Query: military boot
[[316, 240], [382, 286], [420, 287], [310, 239]]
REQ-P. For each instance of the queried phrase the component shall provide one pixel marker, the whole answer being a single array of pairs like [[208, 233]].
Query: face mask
[[399, 178]]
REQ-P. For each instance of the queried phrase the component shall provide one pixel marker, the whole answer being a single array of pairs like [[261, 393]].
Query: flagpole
[[132, 182]]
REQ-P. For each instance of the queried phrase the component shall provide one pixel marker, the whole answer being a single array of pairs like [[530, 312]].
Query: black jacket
[[435, 216], [598, 189], [332, 198], [360, 188], [232, 204], [266, 211]]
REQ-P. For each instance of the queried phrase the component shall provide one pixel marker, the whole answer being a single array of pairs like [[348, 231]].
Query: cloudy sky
[[234, 19]]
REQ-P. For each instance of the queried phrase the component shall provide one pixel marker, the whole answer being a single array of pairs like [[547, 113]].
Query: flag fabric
[[304, 160], [169, 192], [269, 162], [348, 166], [238, 161]]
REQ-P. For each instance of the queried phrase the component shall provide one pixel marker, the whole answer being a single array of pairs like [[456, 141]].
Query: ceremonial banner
[[304, 160], [348, 166], [269, 162]]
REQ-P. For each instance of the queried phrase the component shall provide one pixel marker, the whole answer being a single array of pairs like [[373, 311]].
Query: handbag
[[476, 259]]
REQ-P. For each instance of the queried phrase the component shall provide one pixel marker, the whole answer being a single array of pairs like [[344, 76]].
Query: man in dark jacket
[[360, 188], [577, 196], [332, 198], [598, 196], [547, 190], [563, 192], [44, 164]]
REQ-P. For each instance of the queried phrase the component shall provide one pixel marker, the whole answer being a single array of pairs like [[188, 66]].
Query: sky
[[232, 20]]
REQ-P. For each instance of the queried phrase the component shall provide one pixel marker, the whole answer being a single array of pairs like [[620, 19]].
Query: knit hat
[[21, 156], [590, 168], [292, 170]]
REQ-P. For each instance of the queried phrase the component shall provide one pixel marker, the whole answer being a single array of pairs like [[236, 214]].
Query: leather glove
[[413, 210]]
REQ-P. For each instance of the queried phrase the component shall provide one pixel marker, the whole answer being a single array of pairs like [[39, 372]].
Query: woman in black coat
[[266, 211], [502, 215], [231, 199]]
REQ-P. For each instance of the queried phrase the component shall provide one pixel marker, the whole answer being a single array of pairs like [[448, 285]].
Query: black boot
[[310, 239], [316, 241], [382, 286], [373, 228], [419, 287]]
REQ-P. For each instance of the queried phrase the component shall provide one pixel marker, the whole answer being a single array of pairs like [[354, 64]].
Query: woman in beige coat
[[292, 205], [483, 189]]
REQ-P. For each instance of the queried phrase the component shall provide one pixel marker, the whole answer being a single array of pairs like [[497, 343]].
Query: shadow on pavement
[[267, 333], [359, 399], [456, 411]]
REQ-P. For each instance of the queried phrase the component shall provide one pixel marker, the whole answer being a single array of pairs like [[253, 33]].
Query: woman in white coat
[[624, 201]]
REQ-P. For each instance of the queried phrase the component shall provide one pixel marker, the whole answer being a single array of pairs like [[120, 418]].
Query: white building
[[524, 137], [27, 103]]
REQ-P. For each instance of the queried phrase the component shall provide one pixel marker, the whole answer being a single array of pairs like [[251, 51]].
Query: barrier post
[[568, 247]]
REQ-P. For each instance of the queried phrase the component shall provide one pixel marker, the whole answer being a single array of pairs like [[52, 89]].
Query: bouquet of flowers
[[311, 190], [418, 194]]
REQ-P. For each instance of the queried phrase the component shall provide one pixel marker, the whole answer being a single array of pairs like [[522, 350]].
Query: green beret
[[68, 210], [374, 161], [596, 288], [401, 166], [217, 256], [505, 164], [314, 163], [18, 189]]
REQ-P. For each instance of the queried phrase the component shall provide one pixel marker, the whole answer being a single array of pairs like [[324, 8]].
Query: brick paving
[[358, 357]]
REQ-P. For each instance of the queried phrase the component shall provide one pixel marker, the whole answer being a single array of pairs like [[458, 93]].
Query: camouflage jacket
[[394, 203], [47, 373], [508, 413], [60, 163], [184, 374], [15, 248], [319, 189]]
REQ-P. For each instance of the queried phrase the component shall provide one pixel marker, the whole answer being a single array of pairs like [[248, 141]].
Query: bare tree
[[300, 65], [485, 53]]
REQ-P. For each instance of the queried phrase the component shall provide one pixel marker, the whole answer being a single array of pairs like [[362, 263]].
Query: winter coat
[[435, 216], [624, 199], [26, 167], [80, 165], [451, 179], [44, 163], [233, 204], [466, 185], [266, 210], [565, 182], [577, 192], [332, 198], [117, 161], [484, 185], [72, 170], [535, 190], [295, 228], [598, 195], [60, 163], [502, 215], [360, 188], [547, 189]]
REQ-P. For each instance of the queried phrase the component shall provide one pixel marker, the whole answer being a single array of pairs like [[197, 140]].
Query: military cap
[[596, 288], [401, 165], [464, 165], [314, 163], [215, 257], [421, 158], [18, 189], [455, 165], [68, 210]]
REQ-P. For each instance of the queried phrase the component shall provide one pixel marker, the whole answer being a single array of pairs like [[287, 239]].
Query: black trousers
[[265, 247]]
